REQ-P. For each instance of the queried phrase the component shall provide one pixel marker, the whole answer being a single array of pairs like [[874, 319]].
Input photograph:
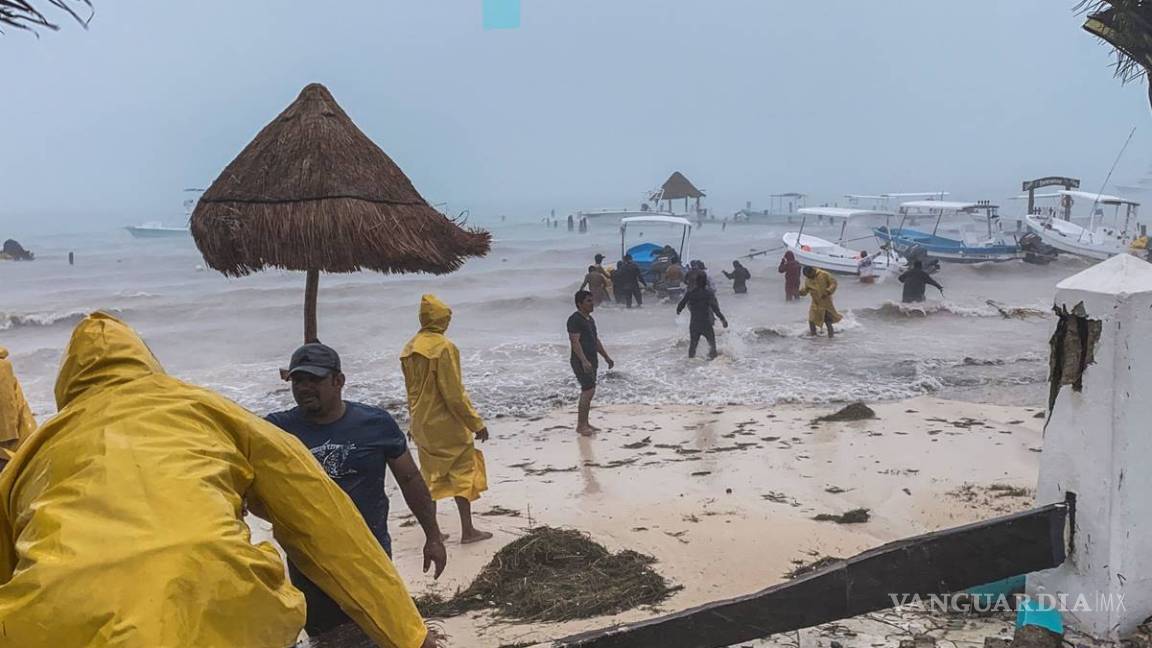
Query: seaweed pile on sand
[[555, 575]]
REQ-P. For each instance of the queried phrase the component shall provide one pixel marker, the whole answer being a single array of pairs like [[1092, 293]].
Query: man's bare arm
[[579, 350], [420, 502]]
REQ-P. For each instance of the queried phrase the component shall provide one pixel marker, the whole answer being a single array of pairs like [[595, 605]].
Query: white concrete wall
[[1098, 444]]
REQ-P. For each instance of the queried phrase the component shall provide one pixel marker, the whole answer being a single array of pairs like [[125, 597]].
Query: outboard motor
[[916, 252], [1036, 251]]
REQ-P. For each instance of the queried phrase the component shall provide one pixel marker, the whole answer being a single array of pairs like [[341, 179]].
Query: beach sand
[[723, 497]]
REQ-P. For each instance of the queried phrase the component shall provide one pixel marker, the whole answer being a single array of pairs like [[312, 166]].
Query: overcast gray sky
[[588, 104]]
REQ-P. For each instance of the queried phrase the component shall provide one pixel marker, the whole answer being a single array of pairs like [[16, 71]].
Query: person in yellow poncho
[[16, 422], [1139, 245], [121, 519], [820, 285], [444, 421]]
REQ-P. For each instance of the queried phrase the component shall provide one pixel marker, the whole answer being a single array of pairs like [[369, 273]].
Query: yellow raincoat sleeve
[[328, 540], [450, 381]]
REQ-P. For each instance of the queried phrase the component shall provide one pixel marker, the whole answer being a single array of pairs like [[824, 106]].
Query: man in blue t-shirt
[[355, 443]]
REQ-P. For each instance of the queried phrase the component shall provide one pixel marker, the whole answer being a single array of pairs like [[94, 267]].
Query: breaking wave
[[12, 321], [898, 311]]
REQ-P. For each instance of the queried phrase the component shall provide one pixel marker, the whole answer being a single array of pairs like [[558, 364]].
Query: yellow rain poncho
[[121, 519], [444, 422], [16, 421], [821, 287]]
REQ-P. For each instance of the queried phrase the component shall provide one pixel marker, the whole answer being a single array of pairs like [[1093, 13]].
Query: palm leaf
[[22, 14], [1126, 25]]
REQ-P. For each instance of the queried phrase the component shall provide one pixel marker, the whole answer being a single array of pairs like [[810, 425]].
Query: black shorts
[[587, 380]]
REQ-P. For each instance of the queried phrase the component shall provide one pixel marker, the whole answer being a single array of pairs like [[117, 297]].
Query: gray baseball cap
[[314, 358]]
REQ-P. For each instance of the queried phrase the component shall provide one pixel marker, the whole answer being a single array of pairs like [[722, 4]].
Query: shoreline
[[723, 497]]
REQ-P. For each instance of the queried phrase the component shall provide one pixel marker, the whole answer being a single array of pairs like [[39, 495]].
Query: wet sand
[[724, 497]]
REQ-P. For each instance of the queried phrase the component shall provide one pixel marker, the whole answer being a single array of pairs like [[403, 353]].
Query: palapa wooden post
[[311, 289], [312, 193]]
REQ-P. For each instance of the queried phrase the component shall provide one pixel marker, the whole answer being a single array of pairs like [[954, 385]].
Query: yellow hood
[[434, 319], [435, 316], [103, 353]]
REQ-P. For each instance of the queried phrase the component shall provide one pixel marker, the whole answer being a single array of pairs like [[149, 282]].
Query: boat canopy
[[671, 220], [943, 205], [1056, 194], [840, 212], [1104, 199]]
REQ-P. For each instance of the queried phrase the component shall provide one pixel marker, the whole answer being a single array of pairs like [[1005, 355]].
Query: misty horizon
[[584, 106]]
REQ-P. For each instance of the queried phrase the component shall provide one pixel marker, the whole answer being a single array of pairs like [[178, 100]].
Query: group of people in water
[[668, 279], [622, 284]]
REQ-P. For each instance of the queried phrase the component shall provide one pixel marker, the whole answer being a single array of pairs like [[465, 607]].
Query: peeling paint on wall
[[1073, 349]]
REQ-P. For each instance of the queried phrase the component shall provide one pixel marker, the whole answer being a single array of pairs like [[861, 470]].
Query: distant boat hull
[[1071, 238], [617, 214], [946, 249], [140, 231], [766, 217]]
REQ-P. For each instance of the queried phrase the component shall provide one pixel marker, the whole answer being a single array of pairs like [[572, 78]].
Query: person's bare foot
[[474, 536], [586, 431]]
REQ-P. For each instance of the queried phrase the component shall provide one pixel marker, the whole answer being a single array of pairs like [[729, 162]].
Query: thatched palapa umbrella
[[311, 192]]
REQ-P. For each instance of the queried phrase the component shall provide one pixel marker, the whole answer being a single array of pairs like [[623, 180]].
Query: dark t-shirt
[[353, 451], [586, 327]]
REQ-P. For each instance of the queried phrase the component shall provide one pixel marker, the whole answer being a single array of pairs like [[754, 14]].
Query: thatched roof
[[312, 192], [677, 187]]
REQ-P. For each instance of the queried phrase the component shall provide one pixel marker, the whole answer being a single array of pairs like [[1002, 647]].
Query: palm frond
[[22, 14], [1126, 25]]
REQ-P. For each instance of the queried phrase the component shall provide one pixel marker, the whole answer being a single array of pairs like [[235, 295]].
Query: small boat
[[1096, 240], [835, 257], [644, 254], [157, 230], [966, 246]]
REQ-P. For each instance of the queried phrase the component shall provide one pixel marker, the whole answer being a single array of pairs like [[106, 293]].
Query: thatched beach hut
[[313, 193], [678, 186]]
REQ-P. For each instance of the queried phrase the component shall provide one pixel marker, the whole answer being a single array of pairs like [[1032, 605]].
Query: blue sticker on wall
[[501, 14]]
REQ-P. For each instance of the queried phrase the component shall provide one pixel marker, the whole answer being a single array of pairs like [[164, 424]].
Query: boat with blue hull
[[968, 245]]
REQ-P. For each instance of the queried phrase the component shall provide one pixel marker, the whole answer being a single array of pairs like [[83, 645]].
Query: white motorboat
[[969, 244], [156, 229], [1096, 240], [836, 257]]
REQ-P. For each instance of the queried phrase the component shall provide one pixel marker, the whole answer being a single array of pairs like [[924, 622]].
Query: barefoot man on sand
[[586, 349], [444, 421]]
